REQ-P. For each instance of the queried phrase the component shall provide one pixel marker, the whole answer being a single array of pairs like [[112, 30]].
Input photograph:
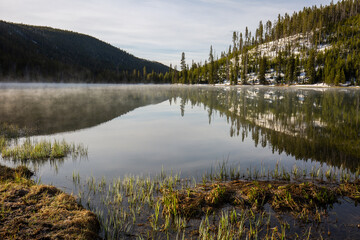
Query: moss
[[11, 174], [351, 190], [281, 196]]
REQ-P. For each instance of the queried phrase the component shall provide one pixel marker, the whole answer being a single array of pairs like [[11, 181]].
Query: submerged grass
[[259, 204]]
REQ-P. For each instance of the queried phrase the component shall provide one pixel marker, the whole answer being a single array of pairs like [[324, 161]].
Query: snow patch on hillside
[[297, 43]]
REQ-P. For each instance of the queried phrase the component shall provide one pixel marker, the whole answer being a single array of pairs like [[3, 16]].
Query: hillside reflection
[[53, 110], [310, 124]]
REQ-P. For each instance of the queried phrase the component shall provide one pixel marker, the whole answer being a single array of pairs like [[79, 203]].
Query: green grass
[[229, 204], [43, 149], [3, 142]]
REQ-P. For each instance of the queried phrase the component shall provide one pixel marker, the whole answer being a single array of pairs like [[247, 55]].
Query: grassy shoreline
[[31, 211], [225, 205], [35, 211]]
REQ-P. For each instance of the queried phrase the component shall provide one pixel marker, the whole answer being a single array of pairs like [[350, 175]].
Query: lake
[[142, 129]]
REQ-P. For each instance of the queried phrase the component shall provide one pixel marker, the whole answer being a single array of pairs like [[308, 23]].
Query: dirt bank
[[31, 211]]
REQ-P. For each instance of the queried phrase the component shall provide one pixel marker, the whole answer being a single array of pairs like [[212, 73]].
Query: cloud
[[156, 30]]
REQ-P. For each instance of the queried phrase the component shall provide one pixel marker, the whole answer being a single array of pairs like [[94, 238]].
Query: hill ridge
[[42, 53]]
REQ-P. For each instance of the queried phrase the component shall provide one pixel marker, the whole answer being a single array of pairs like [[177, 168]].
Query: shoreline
[[33, 211], [168, 206], [226, 202], [79, 84], [323, 86]]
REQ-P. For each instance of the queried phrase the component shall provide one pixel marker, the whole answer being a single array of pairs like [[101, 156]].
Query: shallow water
[[143, 129]]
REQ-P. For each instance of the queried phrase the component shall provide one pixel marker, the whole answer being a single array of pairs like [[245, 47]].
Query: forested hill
[[32, 53], [319, 44]]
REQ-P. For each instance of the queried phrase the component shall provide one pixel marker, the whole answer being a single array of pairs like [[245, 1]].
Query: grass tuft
[[42, 150]]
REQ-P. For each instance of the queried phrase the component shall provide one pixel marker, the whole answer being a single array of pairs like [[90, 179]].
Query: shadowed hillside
[[31, 53]]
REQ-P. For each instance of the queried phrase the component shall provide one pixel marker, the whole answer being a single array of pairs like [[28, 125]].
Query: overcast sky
[[158, 30]]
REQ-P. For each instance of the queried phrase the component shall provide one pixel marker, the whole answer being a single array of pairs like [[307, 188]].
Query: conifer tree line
[[34, 53], [314, 45]]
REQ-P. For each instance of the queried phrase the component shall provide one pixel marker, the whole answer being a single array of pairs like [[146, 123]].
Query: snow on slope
[[296, 42]]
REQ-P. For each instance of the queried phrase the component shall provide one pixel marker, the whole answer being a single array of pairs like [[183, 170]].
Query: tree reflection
[[54, 110], [308, 124]]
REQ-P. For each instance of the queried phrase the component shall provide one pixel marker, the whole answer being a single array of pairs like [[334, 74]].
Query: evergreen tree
[[212, 66], [297, 69], [261, 32], [330, 24], [245, 67], [310, 67], [205, 72], [176, 75], [236, 60], [290, 76], [268, 31], [183, 69], [228, 61], [279, 63], [145, 73], [262, 70]]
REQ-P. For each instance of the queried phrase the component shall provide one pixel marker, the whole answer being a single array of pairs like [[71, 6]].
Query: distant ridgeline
[[317, 44], [31, 53]]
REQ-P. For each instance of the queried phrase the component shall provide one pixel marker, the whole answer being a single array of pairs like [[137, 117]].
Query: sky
[[157, 30]]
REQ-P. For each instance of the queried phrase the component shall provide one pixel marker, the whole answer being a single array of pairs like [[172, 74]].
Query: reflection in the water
[[52, 110], [308, 124], [311, 124]]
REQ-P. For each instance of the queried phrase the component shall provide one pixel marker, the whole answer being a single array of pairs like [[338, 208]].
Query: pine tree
[[205, 72], [268, 27], [261, 32], [212, 66], [236, 60], [176, 75], [262, 70], [279, 63], [310, 67], [290, 70], [228, 59], [145, 73], [245, 66], [297, 69], [183, 69]]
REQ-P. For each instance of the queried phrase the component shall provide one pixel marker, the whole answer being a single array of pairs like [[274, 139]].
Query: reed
[[227, 204], [34, 150]]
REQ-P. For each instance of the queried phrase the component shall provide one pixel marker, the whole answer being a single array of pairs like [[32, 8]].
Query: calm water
[[142, 129]]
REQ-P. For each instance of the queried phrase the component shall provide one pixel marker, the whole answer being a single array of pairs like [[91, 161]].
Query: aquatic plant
[[168, 207], [31, 149], [3, 142]]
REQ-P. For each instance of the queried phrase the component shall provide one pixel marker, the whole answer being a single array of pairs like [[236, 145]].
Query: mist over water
[[141, 129]]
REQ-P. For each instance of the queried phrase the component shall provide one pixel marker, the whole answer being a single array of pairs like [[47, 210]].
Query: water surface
[[141, 129]]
